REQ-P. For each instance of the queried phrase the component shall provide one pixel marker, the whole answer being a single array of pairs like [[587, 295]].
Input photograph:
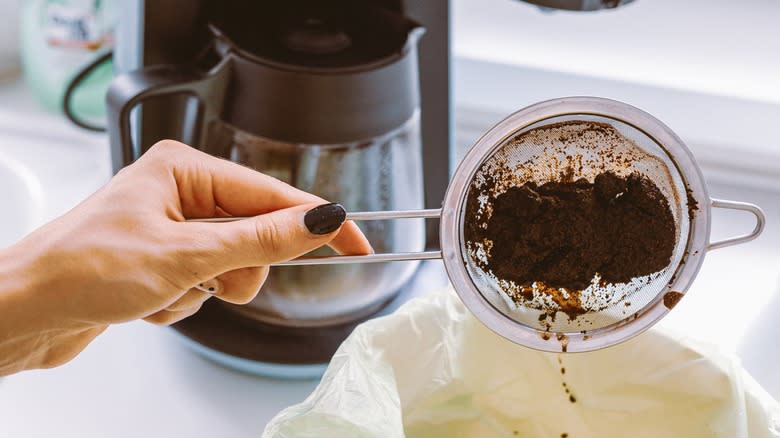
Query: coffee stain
[[671, 299], [693, 205]]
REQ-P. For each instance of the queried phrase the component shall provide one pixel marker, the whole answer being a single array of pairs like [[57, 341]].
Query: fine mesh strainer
[[579, 137]]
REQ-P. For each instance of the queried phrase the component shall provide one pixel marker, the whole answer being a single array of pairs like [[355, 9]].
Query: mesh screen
[[578, 146]]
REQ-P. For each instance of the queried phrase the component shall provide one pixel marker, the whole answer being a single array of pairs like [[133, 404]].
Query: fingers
[[351, 241], [187, 305], [263, 240], [240, 286], [210, 186], [191, 298], [206, 182], [167, 317]]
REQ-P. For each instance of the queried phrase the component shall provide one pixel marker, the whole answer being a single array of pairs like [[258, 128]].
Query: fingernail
[[212, 286], [325, 219]]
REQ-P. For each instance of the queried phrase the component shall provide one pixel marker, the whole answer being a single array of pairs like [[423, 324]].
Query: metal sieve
[[579, 137]]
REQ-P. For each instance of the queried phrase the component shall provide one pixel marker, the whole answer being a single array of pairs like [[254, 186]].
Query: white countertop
[[138, 380]]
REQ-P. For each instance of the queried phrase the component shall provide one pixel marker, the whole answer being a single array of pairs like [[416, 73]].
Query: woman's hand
[[127, 253]]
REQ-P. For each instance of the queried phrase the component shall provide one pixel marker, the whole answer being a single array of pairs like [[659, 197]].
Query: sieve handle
[[369, 258], [742, 206]]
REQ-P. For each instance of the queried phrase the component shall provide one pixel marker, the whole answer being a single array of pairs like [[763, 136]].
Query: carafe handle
[[130, 89]]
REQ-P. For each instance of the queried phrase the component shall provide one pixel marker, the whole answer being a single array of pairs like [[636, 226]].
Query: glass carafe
[[381, 173]]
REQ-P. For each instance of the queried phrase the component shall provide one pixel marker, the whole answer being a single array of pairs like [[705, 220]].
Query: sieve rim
[[452, 239]]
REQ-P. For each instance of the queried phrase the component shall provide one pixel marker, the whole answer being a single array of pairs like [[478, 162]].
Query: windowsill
[[731, 138], [714, 47], [704, 72]]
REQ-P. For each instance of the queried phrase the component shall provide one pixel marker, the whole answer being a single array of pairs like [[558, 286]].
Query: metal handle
[[354, 216], [743, 206], [369, 258]]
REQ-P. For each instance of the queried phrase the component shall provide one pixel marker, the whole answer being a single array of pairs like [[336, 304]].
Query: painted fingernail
[[212, 286], [325, 219]]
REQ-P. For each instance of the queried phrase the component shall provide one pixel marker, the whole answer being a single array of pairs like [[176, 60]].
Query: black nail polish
[[325, 219]]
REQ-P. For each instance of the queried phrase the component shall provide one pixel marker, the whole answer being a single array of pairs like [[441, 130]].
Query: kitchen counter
[[139, 380]]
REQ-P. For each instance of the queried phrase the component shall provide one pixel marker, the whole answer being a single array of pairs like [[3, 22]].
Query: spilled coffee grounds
[[564, 233]]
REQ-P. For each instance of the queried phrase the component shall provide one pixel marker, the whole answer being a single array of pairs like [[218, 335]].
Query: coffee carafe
[[325, 99]]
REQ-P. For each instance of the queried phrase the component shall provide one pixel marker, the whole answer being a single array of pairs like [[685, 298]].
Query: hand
[[127, 253]]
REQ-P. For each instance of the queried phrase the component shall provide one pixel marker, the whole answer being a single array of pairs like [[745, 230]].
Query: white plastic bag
[[432, 370]]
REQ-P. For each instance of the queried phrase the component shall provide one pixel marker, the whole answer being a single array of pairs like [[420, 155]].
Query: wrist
[[17, 289], [29, 327], [16, 310]]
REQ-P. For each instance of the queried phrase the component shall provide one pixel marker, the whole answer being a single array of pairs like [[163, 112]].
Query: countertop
[[139, 380]]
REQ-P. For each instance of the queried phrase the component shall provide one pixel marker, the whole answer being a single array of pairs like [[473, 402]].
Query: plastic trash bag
[[432, 370]]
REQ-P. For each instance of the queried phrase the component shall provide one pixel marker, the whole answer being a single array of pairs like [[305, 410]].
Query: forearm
[[17, 337], [31, 333]]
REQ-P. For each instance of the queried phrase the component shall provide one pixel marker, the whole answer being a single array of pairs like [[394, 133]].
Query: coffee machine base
[[257, 348]]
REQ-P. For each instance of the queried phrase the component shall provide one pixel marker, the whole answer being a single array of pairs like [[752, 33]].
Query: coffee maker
[[349, 99]]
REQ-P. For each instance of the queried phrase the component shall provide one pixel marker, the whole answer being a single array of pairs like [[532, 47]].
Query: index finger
[[206, 183]]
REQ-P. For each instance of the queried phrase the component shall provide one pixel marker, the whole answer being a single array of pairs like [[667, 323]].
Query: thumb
[[282, 234]]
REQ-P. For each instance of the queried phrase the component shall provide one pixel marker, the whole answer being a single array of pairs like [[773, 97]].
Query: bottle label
[[75, 28]]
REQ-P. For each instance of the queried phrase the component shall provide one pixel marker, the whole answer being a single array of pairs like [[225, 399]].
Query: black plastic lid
[[315, 34]]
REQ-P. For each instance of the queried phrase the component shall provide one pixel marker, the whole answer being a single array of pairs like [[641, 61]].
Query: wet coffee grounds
[[562, 234]]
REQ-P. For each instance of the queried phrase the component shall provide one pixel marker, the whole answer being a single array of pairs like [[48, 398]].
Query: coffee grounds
[[562, 234]]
